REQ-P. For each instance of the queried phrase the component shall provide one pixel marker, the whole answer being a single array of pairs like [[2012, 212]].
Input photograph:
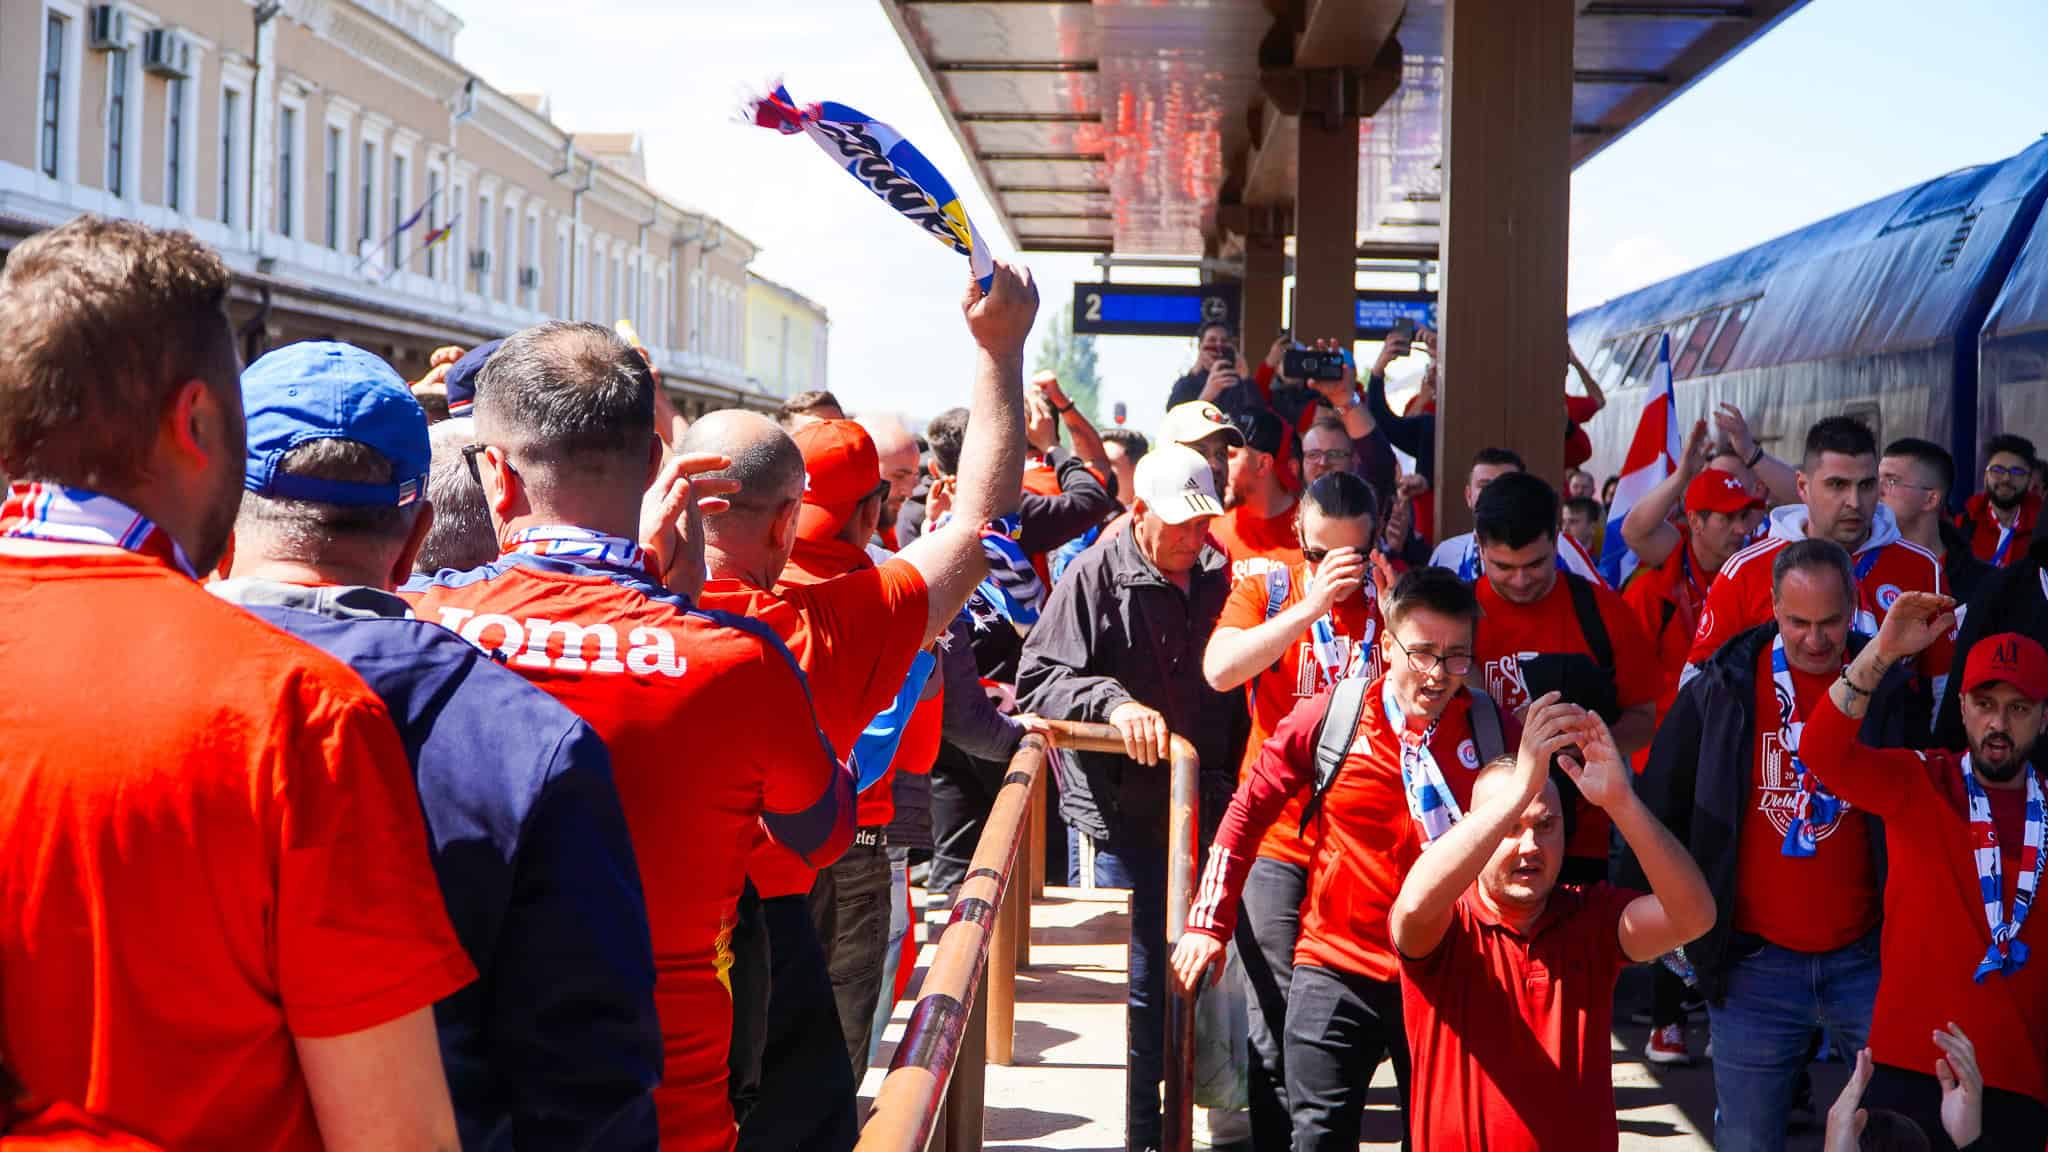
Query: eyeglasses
[[1423, 663], [1890, 482], [469, 454], [1315, 556], [1332, 457], [2005, 473]]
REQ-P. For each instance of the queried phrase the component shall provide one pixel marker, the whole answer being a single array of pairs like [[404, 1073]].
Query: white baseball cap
[[1176, 484]]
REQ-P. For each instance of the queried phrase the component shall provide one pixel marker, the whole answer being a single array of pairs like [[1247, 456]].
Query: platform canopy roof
[[1122, 125]]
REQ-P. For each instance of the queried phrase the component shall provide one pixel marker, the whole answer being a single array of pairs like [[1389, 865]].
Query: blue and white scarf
[[1430, 802], [569, 543], [1813, 806], [886, 164], [37, 511], [2006, 953]]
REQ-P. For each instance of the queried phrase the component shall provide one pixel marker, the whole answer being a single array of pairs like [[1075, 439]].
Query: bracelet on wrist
[[1063, 409], [1754, 457]]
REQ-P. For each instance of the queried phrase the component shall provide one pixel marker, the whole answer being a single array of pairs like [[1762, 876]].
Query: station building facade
[[362, 185]]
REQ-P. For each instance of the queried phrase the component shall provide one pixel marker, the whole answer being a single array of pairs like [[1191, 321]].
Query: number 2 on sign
[[1093, 303]]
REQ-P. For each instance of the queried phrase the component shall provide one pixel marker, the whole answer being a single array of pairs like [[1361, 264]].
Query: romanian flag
[[887, 165]]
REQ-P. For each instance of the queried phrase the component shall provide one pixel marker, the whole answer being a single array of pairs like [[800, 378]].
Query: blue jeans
[[1763, 1032], [1146, 1058], [1109, 870], [892, 955]]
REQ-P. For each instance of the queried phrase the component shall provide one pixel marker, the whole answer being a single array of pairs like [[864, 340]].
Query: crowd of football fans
[[498, 760]]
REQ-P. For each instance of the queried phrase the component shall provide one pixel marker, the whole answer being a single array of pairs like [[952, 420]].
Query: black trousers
[[749, 980], [807, 1094], [850, 910], [1266, 933], [1339, 1026], [2012, 1122], [963, 791]]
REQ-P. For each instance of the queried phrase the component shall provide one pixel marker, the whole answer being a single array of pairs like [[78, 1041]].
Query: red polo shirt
[[213, 846], [855, 636], [1936, 899], [1295, 677], [1362, 842], [1510, 1034]]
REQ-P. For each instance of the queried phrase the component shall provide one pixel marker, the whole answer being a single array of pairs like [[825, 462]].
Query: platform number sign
[[1153, 309]]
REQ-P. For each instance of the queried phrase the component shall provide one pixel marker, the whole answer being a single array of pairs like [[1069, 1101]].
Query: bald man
[[855, 634], [896, 451]]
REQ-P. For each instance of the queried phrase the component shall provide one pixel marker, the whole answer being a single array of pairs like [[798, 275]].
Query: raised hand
[[1916, 620], [1383, 576], [1551, 729], [1734, 427], [1602, 776], [1196, 957], [672, 518], [1962, 1087], [1694, 458], [1000, 318], [1847, 1117], [1338, 578]]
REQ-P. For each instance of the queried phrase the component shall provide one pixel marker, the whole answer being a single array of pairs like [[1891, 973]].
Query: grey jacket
[[1114, 631]]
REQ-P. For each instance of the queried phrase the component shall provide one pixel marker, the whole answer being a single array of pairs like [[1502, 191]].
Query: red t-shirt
[[919, 745], [709, 724], [1509, 1034], [1814, 903], [1741, 596], [1362, 841], [215, 845], [855, 636], [1255, 543], [1551, 625], [1667, 600], [1932, 891], [1295, 677]]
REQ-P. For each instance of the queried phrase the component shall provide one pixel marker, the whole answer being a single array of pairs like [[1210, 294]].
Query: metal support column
[[1325, 209], [1507, 198]]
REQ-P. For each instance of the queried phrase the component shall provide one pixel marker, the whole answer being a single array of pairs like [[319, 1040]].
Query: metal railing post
[[1000, 984], [964, 1096], [1041, 819]]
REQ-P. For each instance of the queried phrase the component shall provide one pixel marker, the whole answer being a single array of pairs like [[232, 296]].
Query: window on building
[[287, 162], [562, 285], [366, 212], [230, 166], [508, 287], [533, 259], [433, 222], [399, 210], [331, 186], [456, 244], [174, 144], [117, 122], [54, 29], [484, 217]]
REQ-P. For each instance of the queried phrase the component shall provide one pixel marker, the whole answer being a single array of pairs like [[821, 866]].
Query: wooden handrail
[[908, 1104]]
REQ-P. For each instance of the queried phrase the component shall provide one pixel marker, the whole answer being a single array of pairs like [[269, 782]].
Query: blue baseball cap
[[461, 377], [320, 390]]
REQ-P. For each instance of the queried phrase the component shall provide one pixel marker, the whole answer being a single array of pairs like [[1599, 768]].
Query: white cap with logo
[[1176, 484]]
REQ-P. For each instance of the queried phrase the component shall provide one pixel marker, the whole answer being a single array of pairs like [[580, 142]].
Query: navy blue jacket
[[557, 1044]]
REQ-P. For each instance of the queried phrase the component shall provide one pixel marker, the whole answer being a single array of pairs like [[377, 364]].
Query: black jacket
[[1702, 769], [1116, 630], [1045, 522], [1961, 572], [2006, 600]]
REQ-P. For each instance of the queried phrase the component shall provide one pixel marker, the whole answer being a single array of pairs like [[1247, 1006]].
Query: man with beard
[[1972, 825], [1257, 529], [1999, 521]]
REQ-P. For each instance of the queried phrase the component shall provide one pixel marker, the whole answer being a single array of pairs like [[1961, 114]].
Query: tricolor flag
[[1652, 456], [886, 164]]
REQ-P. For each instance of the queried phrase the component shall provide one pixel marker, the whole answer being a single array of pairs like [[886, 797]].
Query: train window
[[1724, 342], [1696, 345], [1601, 356], [1624, 347], [1646, 354]]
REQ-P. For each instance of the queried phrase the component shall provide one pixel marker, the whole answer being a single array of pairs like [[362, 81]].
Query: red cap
[[1716, 491], [2010, 657], [841, 469]]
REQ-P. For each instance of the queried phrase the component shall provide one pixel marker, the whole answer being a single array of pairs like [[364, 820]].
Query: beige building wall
[[535, 226]]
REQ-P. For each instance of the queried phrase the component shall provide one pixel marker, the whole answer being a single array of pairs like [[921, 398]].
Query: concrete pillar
[[1326, 208], [1507, 195], [1265, 274]]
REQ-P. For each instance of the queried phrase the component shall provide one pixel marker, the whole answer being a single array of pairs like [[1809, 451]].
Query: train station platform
[[1064, 1090]]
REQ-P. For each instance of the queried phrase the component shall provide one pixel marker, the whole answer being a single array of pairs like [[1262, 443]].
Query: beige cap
[[1196, 421]]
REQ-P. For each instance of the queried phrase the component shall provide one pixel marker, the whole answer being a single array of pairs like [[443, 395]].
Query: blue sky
[[1844, 101]]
